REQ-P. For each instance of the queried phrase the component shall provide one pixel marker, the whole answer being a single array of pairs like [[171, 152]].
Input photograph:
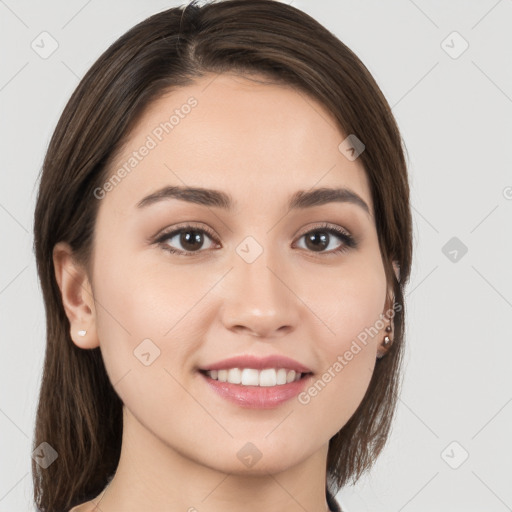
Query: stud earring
[[82, 333]]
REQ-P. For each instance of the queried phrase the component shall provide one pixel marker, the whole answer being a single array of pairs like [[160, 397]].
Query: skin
[[259, 143]]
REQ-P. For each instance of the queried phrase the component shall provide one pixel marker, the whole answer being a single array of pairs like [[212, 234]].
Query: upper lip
[[258, 363]]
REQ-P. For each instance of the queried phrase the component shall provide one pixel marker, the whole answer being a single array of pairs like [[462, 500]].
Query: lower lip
[[257, 397]]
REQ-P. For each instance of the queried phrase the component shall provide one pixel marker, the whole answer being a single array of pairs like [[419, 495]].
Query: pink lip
[[256, 397], [258, 363]]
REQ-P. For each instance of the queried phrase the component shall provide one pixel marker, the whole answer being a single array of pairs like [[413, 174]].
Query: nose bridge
[[258, 297]]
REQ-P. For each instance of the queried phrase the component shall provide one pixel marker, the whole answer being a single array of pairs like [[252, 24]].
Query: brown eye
[[188, 239], [317, 240], [191, 240], [320, 239]]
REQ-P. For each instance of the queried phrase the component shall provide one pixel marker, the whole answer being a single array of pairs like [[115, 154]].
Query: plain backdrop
[[446, 70]]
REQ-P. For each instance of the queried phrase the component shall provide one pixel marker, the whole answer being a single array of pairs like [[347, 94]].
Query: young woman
[[223, 237]]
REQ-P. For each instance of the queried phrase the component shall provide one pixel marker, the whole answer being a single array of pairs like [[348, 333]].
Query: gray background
[[455, 114]]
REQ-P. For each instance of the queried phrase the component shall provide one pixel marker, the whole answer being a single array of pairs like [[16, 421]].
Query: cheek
[[145, 298], [145, 315], [351, 307]]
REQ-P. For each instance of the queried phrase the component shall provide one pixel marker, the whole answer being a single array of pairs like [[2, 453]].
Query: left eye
[[327, 240]]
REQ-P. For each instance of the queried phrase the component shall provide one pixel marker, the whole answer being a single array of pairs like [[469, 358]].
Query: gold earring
[[386, 341]]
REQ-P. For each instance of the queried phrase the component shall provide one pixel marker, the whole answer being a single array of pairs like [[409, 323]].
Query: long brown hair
[[79, 413]]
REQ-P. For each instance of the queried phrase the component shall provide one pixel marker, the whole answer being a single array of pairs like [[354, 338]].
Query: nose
[[259, 299]]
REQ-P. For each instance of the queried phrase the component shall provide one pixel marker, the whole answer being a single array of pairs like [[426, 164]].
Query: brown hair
[[79, 413]]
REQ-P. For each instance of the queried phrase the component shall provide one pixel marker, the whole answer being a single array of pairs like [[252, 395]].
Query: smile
[[251, 377], [256, 389]]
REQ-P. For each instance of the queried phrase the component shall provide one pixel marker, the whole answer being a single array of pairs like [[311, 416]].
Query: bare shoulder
[[88, 506]]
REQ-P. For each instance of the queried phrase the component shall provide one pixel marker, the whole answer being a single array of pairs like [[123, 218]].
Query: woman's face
[[254, 279]]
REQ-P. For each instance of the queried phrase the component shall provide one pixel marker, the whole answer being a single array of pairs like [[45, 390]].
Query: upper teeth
[[251, 377]]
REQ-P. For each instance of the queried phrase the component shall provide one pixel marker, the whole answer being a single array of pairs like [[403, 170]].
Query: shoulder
[[88, 506]]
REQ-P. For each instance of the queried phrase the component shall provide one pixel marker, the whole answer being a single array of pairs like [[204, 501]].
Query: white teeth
[[290, 377], [281, 376], [268, 377], [249, 377], [234, 376]]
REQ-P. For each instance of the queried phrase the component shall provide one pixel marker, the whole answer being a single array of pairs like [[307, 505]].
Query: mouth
[[249, 388], [256, 382], [267, 377]]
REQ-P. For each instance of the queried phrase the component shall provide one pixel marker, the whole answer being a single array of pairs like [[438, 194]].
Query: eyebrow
[[215, 198]]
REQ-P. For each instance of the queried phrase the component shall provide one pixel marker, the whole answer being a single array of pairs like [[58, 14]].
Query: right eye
[[190, 237]]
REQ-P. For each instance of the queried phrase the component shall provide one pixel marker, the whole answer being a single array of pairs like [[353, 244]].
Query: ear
[[77, 296], [381, 349], [396, 268], [391, 288]]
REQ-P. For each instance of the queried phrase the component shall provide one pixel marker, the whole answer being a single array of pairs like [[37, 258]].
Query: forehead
[[229, 132]]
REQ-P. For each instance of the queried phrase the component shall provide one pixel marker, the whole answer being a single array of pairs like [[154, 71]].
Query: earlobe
[[387, 339], [77, 297]]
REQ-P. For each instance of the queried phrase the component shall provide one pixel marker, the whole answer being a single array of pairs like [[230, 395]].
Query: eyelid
[[348, 240], [166, 232], [325, 225], [192, 224]]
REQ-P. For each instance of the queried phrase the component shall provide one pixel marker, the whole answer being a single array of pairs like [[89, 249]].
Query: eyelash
[[349, 242]]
